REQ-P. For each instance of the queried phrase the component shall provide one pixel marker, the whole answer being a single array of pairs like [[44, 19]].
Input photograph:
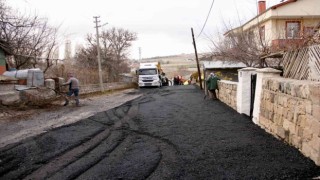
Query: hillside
[[183, 64]]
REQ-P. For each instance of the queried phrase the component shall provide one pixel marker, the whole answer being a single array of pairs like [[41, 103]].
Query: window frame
[[262, 32], [298, 34]]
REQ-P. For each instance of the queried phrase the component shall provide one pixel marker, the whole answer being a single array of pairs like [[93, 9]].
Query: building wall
[[274, 20], [290, 110], [228, 93], [298, 8], [279, 26]]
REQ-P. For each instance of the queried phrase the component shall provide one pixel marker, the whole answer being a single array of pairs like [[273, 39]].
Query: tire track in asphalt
[[169, 153], [72, 155], [90, 159], [135, 158], [169, 157], [32, 153], [120, 125], [169, 160]]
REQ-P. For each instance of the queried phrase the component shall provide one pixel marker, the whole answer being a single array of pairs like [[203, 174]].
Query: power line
[[206, 19]]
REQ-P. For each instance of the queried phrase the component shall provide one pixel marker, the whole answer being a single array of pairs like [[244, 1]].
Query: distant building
[[67, 51], [56, 54]]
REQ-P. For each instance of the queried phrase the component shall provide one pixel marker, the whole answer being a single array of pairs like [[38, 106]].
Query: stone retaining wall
[[290, 110], [228, 93], [91, 88]]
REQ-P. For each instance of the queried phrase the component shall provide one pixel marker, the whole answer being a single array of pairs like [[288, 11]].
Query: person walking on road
[[73, 89], [212, 84]]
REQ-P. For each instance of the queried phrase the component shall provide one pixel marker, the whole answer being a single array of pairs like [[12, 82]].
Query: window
[[262, 33], [147, 71], [293, 29]]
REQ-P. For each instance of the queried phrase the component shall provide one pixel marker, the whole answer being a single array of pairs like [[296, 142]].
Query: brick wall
[[228, 93], [290, 110]]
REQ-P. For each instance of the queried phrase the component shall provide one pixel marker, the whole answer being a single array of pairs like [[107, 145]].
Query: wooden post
[[195, 50]]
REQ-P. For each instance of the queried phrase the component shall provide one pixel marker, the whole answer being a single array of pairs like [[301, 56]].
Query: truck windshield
[[147, 71]]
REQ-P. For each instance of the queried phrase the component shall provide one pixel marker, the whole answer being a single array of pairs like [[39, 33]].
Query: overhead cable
[[206, 19]]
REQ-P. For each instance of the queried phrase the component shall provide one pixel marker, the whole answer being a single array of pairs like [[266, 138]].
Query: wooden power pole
[[195, 51], [98, 49]]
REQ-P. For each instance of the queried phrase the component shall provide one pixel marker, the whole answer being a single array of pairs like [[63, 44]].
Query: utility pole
[[98, 50], [139, 53], [195, 50]]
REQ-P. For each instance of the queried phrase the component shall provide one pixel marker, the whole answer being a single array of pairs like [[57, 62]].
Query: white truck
[[150, 74]]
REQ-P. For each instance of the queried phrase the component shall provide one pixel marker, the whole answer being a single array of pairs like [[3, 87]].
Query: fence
[[303, 64]]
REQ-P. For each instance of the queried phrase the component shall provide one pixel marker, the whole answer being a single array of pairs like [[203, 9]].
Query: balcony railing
[[286, 44]]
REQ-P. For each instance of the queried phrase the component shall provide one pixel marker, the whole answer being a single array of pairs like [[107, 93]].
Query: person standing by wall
[[73, 89], [212, 84]]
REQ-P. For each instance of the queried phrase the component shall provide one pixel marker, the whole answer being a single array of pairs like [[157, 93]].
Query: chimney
[[261, 6]]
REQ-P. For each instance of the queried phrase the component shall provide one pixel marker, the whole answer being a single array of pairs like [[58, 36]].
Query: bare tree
[[241, 46], [115, 44], [30, 38], [120, 41]]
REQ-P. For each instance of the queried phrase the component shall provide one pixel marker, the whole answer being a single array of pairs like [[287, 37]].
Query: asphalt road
[[167, 133]]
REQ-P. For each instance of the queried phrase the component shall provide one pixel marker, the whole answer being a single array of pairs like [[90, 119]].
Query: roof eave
[[257, 16]]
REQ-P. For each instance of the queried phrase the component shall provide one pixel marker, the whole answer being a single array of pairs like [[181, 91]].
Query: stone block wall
[[290, 110], [228, 93]]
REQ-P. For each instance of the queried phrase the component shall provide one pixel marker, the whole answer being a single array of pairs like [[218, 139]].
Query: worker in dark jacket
[[212, 84], [73, 89]]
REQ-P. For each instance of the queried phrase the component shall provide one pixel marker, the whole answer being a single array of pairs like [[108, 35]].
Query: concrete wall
[[107, 87], [9, 96], [244, 90], [290, 110], [228, 93]]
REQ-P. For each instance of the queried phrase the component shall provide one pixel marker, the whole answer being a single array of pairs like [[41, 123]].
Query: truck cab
[[149, 74]]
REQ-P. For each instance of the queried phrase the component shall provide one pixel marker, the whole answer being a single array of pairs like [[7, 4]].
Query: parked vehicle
[[150, 74]]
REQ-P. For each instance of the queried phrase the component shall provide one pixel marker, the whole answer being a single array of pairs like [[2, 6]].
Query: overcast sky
[[163, 26]]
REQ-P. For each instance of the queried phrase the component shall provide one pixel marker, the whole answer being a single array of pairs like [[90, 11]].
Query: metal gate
[[253, 91]]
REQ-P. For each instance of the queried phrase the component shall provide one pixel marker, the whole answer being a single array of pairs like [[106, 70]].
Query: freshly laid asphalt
[[167, 133]]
